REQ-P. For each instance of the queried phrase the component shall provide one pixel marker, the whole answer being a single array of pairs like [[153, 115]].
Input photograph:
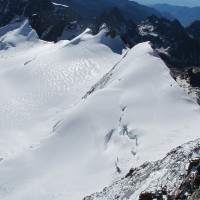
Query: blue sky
[[190, 3]]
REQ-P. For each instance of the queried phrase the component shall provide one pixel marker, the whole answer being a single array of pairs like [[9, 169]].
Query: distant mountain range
[[129, 9], [185, 15], [134, 23], [44, 14]]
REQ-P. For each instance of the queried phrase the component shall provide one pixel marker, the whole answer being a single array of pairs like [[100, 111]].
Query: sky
[[190, 3]]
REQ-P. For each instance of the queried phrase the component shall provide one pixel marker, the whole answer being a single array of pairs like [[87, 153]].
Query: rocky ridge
[[175, 177]]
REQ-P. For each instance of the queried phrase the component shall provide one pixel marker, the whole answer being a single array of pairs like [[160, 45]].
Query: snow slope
[[38, 80], [135, 113]]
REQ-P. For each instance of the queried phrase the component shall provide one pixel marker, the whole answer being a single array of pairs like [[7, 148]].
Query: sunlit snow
[[57, 145]]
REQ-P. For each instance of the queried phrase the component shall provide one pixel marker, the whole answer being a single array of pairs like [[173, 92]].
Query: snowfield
[[77, 115], [38, 80]]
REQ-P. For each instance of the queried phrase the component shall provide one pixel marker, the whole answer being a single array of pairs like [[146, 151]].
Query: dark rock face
[[192, 181], [194, 76], [7, 12], [194, 30], [10, 9], [171, 41], [117, 24], [51, 24], [158, 195], [49, 20]]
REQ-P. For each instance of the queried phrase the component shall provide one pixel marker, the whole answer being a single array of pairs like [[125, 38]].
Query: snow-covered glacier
[[77, 115], [40, 79]]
